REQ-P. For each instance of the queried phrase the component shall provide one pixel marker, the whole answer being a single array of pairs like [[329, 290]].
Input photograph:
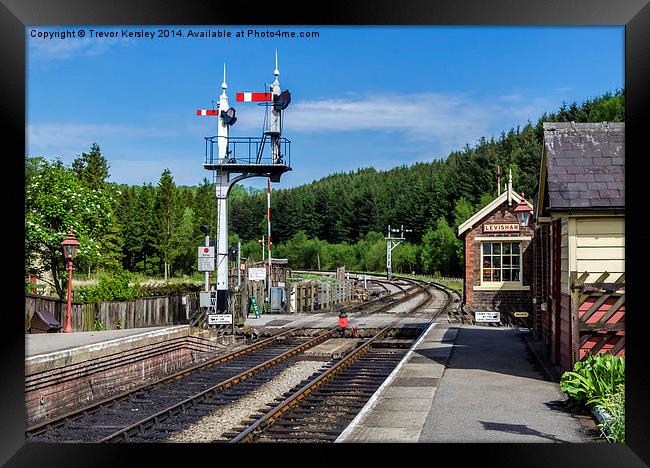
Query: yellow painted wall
[[599, 245]]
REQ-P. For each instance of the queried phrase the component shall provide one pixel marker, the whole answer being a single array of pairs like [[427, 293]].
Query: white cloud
[[64, 136], [447, 121]]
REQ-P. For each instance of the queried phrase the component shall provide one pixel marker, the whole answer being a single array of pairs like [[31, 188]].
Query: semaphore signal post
[[239, 158]]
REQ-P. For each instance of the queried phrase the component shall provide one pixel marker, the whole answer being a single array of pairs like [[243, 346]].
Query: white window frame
[[502, 285]]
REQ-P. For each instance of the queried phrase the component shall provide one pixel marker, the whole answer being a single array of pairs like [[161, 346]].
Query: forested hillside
[[337, 220]]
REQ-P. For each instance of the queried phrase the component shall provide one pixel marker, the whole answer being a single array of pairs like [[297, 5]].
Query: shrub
[[614, 407], [593, 379], [171, 289], [111, 287], [98, 325]]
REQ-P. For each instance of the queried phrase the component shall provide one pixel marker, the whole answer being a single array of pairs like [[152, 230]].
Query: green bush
[[614, 405], [98, 325], [111, 287], [593, 379], [171, 289]]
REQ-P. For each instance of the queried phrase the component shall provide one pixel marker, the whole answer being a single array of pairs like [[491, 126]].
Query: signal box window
[[501, 262]]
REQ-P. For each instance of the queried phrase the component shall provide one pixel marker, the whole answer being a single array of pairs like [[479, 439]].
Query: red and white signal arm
[[254, 97], [212, 112]]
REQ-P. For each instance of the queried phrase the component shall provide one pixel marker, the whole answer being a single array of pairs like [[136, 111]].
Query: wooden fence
[[599, 315], [313, 295], [144, 312]]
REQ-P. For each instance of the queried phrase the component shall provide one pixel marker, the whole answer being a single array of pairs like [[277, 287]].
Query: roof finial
[[276, 72], [224, 85], [510, 186]]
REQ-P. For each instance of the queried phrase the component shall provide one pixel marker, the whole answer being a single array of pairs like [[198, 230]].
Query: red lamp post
[[70, 245], [523, 212]]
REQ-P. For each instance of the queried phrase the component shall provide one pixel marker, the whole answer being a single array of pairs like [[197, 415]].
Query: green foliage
[[98, 325], [614, 406], [167, 209], [593, 379], [111, 287], [55, 202], [92, 168], [440, 248], [169, 289]]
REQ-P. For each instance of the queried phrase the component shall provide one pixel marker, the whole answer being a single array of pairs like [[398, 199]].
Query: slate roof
[[585, 165]]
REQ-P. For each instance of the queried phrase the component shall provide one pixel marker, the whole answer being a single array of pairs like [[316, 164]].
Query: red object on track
[[343, 322]]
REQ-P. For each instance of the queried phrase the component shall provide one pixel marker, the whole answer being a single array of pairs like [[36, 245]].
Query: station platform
[[46, 351], [466, 383]]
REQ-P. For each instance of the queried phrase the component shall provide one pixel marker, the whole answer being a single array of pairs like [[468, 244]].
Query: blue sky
[[361, 96]]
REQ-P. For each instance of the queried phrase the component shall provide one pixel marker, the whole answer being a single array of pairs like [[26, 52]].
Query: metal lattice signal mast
[[391, 243], [226, 164]]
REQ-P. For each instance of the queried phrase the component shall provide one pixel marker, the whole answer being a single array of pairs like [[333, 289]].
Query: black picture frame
[[15, 15]]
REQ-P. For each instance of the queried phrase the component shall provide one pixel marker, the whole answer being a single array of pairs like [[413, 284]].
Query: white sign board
[[487, 316], [257, 274], [208, 298], [219, 319], [206, 258]]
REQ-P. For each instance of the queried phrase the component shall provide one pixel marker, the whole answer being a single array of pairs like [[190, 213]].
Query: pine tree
[[166, 209]]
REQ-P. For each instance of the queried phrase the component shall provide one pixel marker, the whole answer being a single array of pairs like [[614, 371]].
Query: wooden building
[[498, 263], [579, 247]]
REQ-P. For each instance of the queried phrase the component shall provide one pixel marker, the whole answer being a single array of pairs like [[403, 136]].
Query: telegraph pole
[[391, 243]]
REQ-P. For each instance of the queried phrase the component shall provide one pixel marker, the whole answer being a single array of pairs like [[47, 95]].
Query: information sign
[[256, 274], [487, 316], [219, 319], [206, 258]]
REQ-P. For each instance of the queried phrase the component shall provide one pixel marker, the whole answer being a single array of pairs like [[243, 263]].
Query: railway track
[[320, 408], [120, 417]]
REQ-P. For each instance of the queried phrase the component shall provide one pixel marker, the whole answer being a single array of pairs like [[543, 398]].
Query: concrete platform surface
[[44, 351], [488, 389]]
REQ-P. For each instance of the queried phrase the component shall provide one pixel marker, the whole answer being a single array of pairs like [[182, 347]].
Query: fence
[[144, 312], [599, 313], [312, 295]]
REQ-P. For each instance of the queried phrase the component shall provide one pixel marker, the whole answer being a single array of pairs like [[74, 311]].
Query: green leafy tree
[[439, 249], [55, 202], [405, 258]]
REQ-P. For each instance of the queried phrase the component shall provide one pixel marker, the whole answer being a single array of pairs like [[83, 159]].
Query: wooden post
[[574, 330]]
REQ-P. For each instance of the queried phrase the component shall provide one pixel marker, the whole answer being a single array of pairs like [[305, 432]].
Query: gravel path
[[224, 419]]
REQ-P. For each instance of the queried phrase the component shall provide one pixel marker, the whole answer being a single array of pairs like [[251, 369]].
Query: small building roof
[[582, 167], [489, 208]]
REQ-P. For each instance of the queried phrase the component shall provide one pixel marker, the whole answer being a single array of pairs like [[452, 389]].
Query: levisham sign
[[501, 227]]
